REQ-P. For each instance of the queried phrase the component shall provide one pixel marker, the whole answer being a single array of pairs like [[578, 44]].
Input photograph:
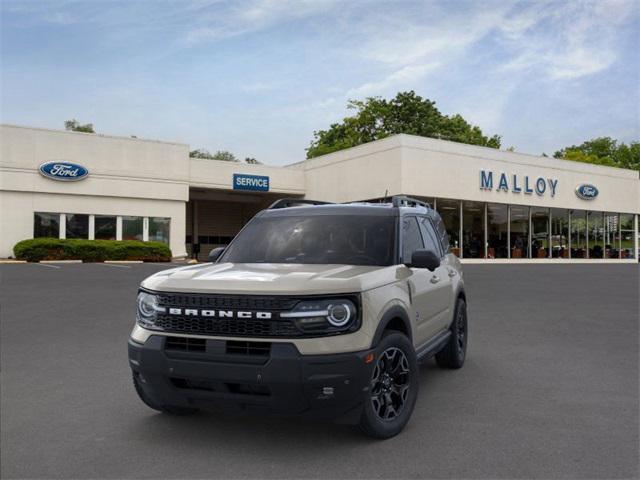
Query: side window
[[430, 239], [411, 238]]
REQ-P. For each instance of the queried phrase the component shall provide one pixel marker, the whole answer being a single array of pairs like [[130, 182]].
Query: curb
[[123, 261], [60, 261], [7, 261]]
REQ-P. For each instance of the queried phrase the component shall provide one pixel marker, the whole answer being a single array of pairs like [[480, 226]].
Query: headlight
[[324, 316], [148, 310]]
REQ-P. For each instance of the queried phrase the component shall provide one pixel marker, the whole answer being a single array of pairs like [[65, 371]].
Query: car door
[[442, 295], [424, 286]]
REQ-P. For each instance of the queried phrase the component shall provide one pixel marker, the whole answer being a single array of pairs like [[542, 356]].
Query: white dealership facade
[[498, 206]]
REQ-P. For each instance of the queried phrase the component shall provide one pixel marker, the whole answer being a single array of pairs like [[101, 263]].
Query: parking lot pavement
[[549, 390]]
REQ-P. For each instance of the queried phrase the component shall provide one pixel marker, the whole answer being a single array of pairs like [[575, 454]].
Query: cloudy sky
[[258, 77]]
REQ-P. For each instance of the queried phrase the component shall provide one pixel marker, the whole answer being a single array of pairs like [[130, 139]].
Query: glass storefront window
[[105, 227], [611, 236], [539, 232], [497, 231], [519, 231], [596, 235], [132, 228], [77, 226], [473, 230], [46, 225], [626, 236], [578, 234], [559, 233], [159, 229], [449, 210]]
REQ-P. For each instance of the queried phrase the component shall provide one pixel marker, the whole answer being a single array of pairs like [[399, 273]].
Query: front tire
[[393, 387], [454, 352]]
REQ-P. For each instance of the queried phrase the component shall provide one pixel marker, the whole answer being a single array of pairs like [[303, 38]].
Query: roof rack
[[295, 202], [404, 201]]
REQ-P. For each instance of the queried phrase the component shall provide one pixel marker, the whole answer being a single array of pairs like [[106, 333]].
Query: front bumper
[[280, 382]]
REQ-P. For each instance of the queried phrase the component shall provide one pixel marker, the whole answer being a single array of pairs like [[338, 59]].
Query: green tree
[[604, 151], [252, 161], [74, 126], [219, 155], [377, 118]]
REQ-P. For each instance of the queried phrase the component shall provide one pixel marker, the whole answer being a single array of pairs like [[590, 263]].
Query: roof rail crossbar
[[295, 202], [404, 201]]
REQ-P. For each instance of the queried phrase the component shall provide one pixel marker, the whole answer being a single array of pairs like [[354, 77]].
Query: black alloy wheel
[[390, 384]]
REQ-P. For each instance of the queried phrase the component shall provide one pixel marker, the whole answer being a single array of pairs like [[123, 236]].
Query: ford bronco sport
[[314, 309]]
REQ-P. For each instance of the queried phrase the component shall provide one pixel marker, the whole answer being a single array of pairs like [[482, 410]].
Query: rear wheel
[[160, 408], [455, 351], [393, 388]]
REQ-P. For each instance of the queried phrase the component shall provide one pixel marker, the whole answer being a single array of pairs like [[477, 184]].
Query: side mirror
[[425, 259], [215, 254]]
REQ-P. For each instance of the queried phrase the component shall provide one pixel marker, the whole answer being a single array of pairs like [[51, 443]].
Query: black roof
[[357, 209]]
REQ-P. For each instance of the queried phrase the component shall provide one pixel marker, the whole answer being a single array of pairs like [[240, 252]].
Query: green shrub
[[36, 249]]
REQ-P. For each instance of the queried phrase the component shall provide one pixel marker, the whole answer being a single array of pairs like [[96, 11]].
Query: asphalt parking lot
[[549, 390]]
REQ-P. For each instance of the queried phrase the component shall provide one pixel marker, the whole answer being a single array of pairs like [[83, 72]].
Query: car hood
[[269, 278]]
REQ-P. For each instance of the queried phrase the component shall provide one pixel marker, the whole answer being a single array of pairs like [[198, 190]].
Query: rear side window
[[441, 230], [431, 241], [411, 238]]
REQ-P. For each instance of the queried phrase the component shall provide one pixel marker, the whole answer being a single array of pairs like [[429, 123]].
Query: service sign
[[256, 183], [586, 191], [63, 171]]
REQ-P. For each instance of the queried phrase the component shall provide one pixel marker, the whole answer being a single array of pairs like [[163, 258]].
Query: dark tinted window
[[429, 235], [77, 226], [46, 225], [411, 238], [105, 227], [317, 239]]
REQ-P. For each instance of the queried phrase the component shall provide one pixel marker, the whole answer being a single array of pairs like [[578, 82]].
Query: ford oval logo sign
[[586, 191], [64, 171]]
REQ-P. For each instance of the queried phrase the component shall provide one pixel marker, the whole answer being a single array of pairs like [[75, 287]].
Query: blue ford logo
[[586, 191], [64, 171]]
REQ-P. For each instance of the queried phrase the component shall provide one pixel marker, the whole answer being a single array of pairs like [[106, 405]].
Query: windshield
[[317, 239]]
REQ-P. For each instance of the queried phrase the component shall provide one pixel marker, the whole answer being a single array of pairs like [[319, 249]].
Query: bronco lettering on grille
[[193, 312]]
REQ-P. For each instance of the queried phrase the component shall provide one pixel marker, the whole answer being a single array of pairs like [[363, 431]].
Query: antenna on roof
[[386, 195]]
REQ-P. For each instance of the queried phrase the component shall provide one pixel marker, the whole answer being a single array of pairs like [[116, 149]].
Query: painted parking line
[[113, 265], [46, 265]]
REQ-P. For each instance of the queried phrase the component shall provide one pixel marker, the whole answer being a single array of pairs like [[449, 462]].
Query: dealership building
[[498, 206]]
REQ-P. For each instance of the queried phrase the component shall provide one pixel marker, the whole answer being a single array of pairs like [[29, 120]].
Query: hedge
[[36, 249]]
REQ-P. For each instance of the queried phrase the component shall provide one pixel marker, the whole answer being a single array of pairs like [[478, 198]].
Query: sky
[[258, 77]]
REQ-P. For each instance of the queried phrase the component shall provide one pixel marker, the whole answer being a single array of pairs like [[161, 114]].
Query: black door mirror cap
[[214, 254], [424, 259]]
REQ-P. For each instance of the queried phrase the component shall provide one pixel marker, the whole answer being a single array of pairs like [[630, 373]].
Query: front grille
[[231, 302], [239, 327], [186, 344], [261, 349], [251, 389]]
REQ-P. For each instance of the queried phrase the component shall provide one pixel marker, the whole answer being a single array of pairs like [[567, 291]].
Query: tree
[[252, 161], [219, 155], [75, 126], [377, 118], [604, 151]]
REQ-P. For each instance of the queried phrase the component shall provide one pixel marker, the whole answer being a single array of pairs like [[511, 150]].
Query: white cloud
[[405, 77]]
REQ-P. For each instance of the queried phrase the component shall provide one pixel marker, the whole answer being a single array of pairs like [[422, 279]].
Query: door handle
[[435, 279]]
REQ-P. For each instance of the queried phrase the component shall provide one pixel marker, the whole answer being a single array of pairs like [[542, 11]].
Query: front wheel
[[454, 352], [393, 388]]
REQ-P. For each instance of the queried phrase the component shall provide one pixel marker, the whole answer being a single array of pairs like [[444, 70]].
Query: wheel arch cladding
[[396, 318]]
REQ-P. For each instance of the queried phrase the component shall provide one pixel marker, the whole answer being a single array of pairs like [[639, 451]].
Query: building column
[[461, 231], [63, 225], [92, 227], [118, 227], [145, 229], [635, 237]]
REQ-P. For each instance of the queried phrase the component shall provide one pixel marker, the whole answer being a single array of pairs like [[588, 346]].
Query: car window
[[411, 238], [430, 239], [316, 239]]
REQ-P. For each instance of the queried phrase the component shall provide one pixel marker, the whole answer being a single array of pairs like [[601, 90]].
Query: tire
[[454, 352], [160, 408], [387, 395]]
